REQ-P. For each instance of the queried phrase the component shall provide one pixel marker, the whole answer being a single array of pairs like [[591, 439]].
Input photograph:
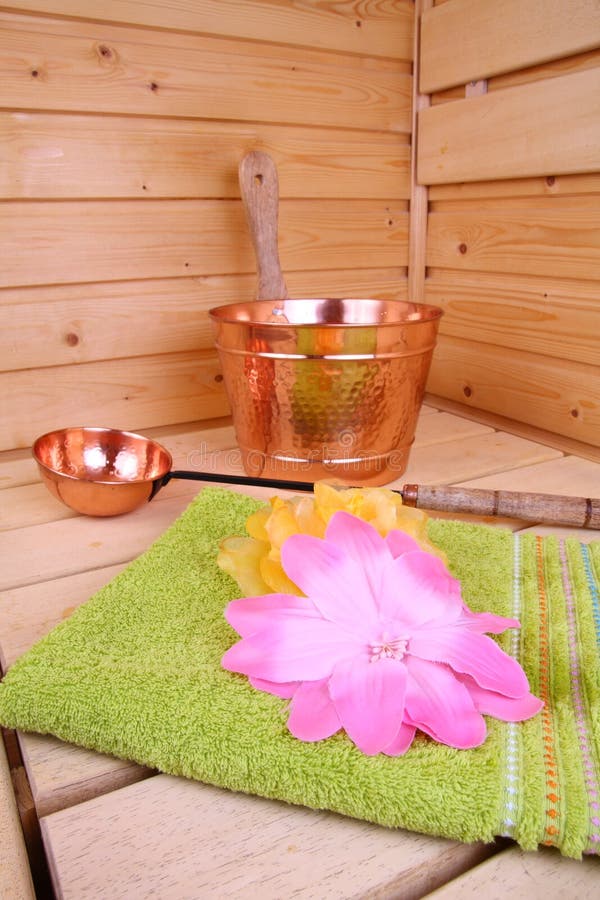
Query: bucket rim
[[422, 312]]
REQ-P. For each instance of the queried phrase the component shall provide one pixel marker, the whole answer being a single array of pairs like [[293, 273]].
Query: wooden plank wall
[[510, 150], [121, 128]]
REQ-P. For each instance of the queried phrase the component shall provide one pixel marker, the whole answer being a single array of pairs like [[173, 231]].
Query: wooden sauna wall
[[121, 128], [510, 150]]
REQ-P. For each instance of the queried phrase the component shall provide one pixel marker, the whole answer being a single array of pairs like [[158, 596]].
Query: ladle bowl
[[101, 471], [108, 472]]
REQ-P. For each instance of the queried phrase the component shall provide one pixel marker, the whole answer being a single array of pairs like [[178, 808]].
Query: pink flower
[[382, 644]]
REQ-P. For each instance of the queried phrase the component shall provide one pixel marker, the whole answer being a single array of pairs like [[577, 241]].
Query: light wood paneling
[[15, 876], [548, 186], [296, 851], [122, 125], [545, 71], [131, 393], [564, 242], [506, 134], [557, 67], [372, 28], [49, 243], [61, 324], [515, 873], [57, 156], [548, 393], [466, 40], [63, 65], [559, 319]]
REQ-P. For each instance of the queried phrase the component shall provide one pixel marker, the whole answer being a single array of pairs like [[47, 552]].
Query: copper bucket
[[319, 388], [322, 388]]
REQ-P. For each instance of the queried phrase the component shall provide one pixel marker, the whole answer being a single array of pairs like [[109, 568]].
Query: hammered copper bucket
[[331, 388], [319, 388]]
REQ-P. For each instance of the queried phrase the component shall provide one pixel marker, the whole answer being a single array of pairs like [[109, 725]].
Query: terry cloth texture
[[136, 672]]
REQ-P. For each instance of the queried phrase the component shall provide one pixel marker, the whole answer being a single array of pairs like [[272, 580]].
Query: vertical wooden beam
[[417, 239]]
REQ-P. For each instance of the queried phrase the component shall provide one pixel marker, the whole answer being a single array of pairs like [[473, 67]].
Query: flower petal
[[441, 706], [472, 654], [510, 709], [362, 542], [285, 690], [402, 741], [487, 622], [313, 716], [369, 699], [335, 581], [240, 557], [417, 588], [295, 646], [400, 542], [252, 614]]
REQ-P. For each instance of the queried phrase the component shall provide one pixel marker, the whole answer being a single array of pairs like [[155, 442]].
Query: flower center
[[389, 649]]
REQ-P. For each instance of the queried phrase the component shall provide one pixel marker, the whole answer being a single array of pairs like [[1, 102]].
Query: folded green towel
[[136, 672]]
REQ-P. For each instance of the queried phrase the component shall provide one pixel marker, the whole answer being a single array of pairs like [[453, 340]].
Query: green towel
[[136, 672]]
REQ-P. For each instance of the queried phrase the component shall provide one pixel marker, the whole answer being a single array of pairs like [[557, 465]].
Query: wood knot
[[467, 391], [462, 248], [71, 339]]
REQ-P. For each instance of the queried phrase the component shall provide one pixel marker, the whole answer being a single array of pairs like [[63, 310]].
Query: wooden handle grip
[[550, 509], [260, 194]]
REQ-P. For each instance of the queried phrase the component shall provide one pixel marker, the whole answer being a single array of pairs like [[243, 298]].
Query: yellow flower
[[255, 561]]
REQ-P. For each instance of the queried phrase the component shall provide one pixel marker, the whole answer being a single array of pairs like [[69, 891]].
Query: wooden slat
[[564, 242], [539, 315], [56, 156], [563, 475], [552, 69], [189, 838], [470, 457], [521, 429], [417, 237], [372, 29], [497, 37], [133, 393], [110, 240], [90, 775], [559, 395], [524, 876], [549, 186], [543, 128], [58, 325], [15, 876], [91, 67]]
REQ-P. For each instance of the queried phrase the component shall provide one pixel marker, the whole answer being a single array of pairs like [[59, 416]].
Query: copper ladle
[[107, 472]]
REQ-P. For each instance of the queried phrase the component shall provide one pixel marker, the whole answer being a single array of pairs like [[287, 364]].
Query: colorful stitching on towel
[[511, 792], [589, 573], [551, 826], [579, 702], [590, 773]]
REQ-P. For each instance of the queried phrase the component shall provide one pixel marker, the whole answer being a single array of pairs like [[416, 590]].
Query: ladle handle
[[220, 478], [260, 194], [550, 509]]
